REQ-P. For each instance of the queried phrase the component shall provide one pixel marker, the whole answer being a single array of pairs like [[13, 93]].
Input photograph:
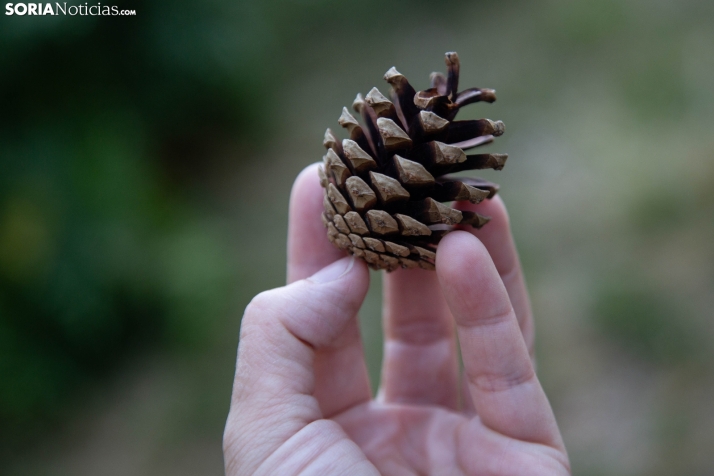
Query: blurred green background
[[145, 168]]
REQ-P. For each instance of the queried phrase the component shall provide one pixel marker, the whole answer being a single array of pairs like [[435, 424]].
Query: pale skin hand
[[302, 402]]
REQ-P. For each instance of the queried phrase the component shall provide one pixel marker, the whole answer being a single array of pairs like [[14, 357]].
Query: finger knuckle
[[264, 302], [500, 382], [258, 311]]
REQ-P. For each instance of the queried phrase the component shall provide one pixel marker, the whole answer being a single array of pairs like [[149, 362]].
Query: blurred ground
[[609, 108]]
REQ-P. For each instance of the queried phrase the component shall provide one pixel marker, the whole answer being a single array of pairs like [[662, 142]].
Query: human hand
[[302, 402]]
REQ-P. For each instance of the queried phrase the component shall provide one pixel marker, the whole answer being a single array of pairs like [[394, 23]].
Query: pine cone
[[384, 186]]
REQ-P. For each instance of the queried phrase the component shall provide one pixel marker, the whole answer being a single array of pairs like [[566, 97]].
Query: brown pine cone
[[384, 186]]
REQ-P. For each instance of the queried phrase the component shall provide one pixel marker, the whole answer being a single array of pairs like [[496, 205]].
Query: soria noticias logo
[[63, 9]]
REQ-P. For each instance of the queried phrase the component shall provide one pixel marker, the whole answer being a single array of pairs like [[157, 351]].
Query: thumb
[[280, 332]]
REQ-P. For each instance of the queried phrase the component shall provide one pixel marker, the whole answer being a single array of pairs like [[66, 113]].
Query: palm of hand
[[410, 439], [302, 401]]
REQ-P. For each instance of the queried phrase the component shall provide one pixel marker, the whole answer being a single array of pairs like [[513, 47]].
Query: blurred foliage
[[653, 311], [100, 253], [96, 257], [646, 323]]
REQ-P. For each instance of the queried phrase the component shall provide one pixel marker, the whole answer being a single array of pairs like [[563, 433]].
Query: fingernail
[[334, 271]]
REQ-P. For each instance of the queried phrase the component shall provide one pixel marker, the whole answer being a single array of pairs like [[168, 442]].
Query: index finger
[[309, 250]]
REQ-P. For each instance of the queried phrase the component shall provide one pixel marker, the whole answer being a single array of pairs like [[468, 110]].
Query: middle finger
[[420, 363]]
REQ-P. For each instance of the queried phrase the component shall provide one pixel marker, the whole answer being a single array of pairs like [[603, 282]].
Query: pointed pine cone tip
[[392, 75], [456, 190], [432, 123], [378, 101], [322, 175], [338, 201], [412, 173], [479, 162], [411, 227], [358, 158], [498, 127], [473, 95], [498, 161], [361, 195], [451, 58], [452, 81], [330, 140], [341, 225], [335, 167], [381, 223], [431, 212], [347, 120], [474, 219], [356, 223], [448, 153], [392, 135], [488, 95], [424, 99], [358, 104], [388, 189]]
